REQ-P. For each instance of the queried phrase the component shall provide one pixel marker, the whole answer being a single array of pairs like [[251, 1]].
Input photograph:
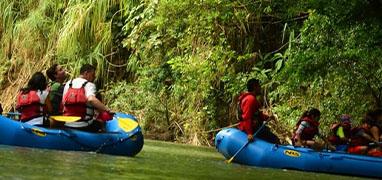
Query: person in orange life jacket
[[361, 137], [57, 75], [376, 124], [307, 128], [33, 101], [341, 131], [79, 99], [250, 116]]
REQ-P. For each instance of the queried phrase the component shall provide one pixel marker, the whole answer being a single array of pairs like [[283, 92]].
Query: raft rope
[[103, 145]]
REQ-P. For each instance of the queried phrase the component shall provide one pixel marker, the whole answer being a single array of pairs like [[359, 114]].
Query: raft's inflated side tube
[[263, 154], [123, 136]]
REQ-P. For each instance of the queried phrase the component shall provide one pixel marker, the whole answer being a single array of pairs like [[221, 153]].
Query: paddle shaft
[[242, 147], [375, 143]]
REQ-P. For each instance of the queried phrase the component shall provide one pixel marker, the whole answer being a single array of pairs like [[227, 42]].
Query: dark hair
[[51, 72], [36, 82], [368, 120], [87, 68], [372, 116], [377, 112], [252, 82], [305, 114], [314, 112]]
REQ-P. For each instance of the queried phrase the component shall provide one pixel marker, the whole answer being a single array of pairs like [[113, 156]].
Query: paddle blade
[[229, 160], [127, 124], [66, 118]]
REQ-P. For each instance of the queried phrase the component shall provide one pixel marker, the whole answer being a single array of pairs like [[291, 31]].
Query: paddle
[[242, 147], [65, 118], [127, 124], [375, 144], [13, 113]]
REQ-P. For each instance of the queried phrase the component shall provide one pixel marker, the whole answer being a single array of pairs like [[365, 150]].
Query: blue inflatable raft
[[263, 154], [123, 136]]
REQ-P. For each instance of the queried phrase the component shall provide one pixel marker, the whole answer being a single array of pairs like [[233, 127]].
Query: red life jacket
[[74, 101], [309, 132], [357, 140], [28, 104]]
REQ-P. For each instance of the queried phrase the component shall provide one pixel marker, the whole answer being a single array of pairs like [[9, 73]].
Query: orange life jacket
[[28, 104], [74, 101]]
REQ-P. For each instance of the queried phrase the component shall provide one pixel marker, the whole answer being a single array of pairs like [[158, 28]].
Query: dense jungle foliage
[[180, 65]]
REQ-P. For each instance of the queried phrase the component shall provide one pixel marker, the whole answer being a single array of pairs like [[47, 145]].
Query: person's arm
[[375, 133], [48, 104], [90, 92], [363, 134], [298, 140], [97, 104]]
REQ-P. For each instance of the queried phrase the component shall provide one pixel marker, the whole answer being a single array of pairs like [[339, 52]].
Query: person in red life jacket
[[360, 137], [341, 132], [79, 99], [33, 101], [57, 74], [376, 124], [250, 116], [375, 117], [307, 129]]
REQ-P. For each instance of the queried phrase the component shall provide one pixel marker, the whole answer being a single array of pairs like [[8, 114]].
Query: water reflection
[[158, 160]]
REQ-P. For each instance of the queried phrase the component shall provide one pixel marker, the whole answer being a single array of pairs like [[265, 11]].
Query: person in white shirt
[[79, 99]]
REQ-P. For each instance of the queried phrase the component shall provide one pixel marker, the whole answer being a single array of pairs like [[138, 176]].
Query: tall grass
[[37, 33]]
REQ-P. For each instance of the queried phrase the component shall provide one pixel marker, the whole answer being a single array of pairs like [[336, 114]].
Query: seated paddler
[[251, 117], [340, 133], [307, 128], [33, 101], [79, 100]]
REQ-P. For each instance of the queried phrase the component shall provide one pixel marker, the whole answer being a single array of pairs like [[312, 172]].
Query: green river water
[[157, 160]]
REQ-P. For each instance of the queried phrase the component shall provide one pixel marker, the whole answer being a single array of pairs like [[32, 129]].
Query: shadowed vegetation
[[179, 65]]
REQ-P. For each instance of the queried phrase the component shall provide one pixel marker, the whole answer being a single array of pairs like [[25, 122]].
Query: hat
[[345, 118]]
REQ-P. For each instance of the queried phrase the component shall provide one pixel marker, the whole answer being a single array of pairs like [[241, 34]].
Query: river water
[[157, 160]]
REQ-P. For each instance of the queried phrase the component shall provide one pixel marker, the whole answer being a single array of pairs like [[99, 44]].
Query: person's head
[[37, 82], [56, 73], [314, 114], [378, 115], [253, 85], [375, 117], [367, 122], [345, 120], [87, 71], [305, 114]]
